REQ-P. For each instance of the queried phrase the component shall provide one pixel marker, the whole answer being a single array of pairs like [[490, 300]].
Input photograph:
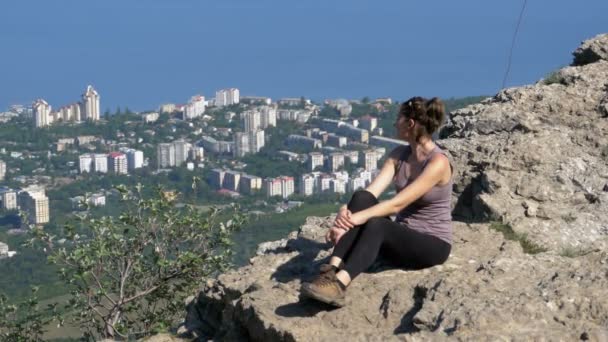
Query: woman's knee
[[361, 199]]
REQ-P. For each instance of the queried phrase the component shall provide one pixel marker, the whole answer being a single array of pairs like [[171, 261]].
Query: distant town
[[217, 134]]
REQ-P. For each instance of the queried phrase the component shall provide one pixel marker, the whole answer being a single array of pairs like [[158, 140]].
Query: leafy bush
[[25, 320], [131, 274]]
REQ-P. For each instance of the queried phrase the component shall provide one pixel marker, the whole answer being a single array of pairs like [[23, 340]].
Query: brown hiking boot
[[327, 270], [325, 288]]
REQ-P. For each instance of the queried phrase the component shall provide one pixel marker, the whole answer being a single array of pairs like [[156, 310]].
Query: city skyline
[[277, 49]]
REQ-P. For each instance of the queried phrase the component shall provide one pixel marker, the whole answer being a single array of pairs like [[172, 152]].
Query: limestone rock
[[545, 145], [592, 50], [487, 290]]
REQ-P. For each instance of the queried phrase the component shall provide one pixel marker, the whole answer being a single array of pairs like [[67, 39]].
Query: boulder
[[545, 145], [489, 289]]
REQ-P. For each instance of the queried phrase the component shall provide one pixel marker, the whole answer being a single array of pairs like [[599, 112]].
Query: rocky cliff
[[532, 160]]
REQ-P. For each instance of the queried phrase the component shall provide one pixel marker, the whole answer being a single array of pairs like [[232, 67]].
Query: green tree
[[131, 274], [25, 321]]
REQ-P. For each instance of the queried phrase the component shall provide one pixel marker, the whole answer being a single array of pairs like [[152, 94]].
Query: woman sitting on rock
[[421, 234]]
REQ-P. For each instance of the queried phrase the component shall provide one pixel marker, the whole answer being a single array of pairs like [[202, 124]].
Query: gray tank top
[[430, 214]]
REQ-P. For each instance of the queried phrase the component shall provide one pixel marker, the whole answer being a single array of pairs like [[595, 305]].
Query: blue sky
[[143, 53]]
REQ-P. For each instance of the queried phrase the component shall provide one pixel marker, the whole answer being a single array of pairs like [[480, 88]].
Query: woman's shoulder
[[399, 152]]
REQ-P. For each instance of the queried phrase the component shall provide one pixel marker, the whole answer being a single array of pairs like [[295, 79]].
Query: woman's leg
[[361, 200], [405, 248]]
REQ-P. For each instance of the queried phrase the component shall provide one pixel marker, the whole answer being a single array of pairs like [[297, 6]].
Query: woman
[[421, 235]]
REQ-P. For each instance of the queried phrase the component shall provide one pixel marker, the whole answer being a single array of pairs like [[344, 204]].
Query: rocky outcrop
[[536, 157], [487, 290]]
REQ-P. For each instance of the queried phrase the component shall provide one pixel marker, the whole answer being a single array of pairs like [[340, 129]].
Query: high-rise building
[[368, 122], [256, 141], [335, 161], [8, 198], [85, 163], [42, 113], [268, 116], [135, 158], [370, 160], [182, 150], [90, 104], [76, 111], [216, 178], [287, 186], [232, 180], [2, 170], [304, 141], [272, 187], [356, 183], [251, 120], [165, 155], [100, 162], [195, 107], [315, 159], [227, 97], [307, 184], [338, 186], [241, 144], [34, 202], [117, 162], [250, 183]]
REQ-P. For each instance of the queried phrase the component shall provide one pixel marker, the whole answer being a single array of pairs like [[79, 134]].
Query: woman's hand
[[334, 234], [356, 219], [342, 219]]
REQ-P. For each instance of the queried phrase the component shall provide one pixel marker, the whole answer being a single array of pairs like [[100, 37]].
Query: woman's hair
[[428, 113]]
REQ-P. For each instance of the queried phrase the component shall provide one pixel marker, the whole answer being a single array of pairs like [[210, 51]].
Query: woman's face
[[403, 127]]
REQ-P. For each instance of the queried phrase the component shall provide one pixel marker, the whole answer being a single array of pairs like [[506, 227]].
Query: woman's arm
[[385, 177], [432, 174]]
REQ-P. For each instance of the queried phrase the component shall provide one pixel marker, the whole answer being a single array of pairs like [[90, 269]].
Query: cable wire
[[521, 15]]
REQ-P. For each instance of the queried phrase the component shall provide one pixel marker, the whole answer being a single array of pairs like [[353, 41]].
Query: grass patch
[[569, 218], [526, 244], [573, 252], [554, 77]]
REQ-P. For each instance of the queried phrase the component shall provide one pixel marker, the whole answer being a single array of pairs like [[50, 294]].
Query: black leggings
[[401, 246]]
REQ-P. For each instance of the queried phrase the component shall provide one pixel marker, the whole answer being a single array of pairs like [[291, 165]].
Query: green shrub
[[526, 244]]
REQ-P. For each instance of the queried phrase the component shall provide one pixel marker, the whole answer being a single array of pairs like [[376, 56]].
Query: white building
[[256, 140], [117, 162], [389, 143], [251, 120], [85, 163], [307, 185], [149, 117], [97, 200], [8, 198], [2, 170], [195, 107], [34, 202], [42, 113], [315, 159], [135, 158], [287, 186], [370, 160], [165, 155], [90, 104], [272, 187], [337, 186], [335, 161], [227, 97], [100, 162], [241, 144], [268, 116], [182, 150], [250, 184], [356, 183]]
